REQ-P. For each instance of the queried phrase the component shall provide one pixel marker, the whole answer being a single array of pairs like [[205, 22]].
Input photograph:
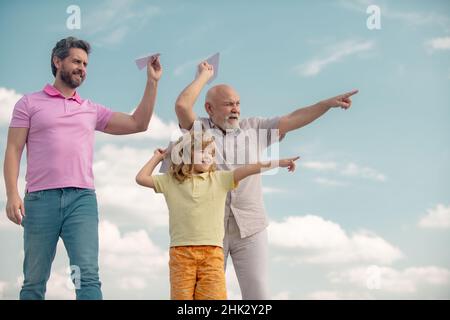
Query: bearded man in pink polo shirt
[[58, 127]]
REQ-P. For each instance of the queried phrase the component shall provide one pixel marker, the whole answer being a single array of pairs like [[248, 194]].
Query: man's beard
[[231, 126], [68, 79]]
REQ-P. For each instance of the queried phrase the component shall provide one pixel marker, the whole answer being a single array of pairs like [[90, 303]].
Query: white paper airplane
[[214, 61], [143, 61]]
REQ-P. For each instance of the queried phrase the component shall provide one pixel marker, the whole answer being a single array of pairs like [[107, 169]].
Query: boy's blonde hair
[[184, 171]]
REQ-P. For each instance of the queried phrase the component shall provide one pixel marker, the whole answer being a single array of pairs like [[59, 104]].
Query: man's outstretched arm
[[184, 106], [122, 123], [303, 116]]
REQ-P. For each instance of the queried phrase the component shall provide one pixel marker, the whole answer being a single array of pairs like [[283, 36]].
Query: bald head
[[222, 104], [220, 92]]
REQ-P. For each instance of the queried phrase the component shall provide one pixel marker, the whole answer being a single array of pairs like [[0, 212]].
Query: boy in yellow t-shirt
[[195, 194]]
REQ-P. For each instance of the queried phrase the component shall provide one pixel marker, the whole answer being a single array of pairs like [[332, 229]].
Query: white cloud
[[354, 170], [157, 130], [282, 295], [319, 165], [417, 18], [350, 169], [438, 44], [392, 280], [115, 36], [3, 286], [60, 286], [438, 218], [5, 223], [337, 295], [131, 263], [339, 52], [321, 241], [8, 98], [133, 283], [133, 256], [324, 295], [233, 290], [115, 169], [329, 182]]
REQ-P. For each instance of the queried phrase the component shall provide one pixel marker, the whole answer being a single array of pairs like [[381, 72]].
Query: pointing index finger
[[351, 93]]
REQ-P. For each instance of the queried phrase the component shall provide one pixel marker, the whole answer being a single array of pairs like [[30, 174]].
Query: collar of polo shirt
[[52, 91]]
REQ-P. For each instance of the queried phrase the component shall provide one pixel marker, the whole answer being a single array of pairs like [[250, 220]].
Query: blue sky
[[370, 198]]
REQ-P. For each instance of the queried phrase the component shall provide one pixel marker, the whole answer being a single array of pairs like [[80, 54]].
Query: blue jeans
[[69, 213]]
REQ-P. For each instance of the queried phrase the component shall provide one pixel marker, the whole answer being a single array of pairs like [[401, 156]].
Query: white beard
[[228, 126]]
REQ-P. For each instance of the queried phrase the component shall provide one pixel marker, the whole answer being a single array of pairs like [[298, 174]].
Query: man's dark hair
[[63, 46]]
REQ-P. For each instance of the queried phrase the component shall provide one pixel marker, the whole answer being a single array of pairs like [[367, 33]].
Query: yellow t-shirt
[[196, 207]]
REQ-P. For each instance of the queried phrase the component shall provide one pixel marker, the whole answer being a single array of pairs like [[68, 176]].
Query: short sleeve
[[21, 116], [226, 179], [104, 114], [269, 124], [160, 181]]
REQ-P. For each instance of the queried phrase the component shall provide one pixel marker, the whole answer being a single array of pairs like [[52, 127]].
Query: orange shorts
[[197, 273]]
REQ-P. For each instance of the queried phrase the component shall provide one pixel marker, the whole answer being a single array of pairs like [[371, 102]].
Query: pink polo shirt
[[60, 139]]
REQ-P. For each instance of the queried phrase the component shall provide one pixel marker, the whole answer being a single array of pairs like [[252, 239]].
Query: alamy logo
[[74, 20], [374, 20]]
